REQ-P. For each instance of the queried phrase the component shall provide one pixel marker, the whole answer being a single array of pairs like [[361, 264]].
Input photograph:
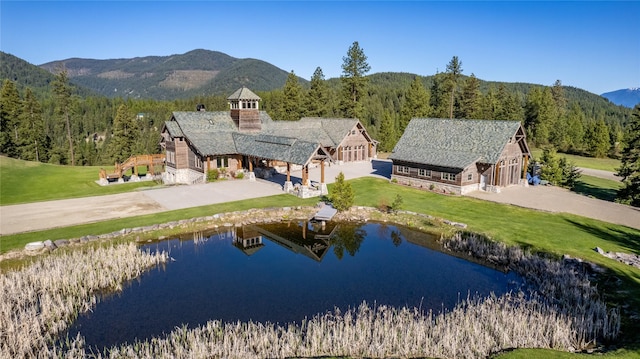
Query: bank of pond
[[300, 288]]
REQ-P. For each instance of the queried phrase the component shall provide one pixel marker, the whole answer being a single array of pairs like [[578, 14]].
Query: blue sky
[[587, 44]]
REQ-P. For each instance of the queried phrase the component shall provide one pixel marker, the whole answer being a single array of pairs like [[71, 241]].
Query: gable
[[454, 143]]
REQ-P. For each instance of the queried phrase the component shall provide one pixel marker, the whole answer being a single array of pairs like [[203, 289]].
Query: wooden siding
[[354, 147], [182, 153]]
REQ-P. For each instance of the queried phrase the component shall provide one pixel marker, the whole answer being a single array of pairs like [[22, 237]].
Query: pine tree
[[341, 194], [598, 138], [454, 69], [416, 104], [318, 95], [292, 102], [354, 82], [33, 138], [470, 99], [575, 127], [540, 113], [489, 106], [125, 134], [630, 162], [62, 90], [10, 104], [388, 135], [440, 90], [551, 170]]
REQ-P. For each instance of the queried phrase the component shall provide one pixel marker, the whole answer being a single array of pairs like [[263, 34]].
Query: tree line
[[64, 127]]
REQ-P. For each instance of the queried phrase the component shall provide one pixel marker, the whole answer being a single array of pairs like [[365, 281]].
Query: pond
[[282, 273]]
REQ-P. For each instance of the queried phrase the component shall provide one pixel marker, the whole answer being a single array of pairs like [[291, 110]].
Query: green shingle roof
[[243, 93], [328, 131], [278, 148], [453, 143]]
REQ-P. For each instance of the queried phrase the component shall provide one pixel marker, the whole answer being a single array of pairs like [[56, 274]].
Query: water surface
[[283, 273]]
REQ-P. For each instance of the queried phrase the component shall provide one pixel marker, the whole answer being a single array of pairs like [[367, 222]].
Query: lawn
[[605, 164], [597, 187], [25, 182]]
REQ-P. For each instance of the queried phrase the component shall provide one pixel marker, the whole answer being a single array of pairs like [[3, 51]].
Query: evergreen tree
[[125, 135], [630, 162], [454, 69], [388, 135], [33, 139], [470, 100], [575, 127], [440, 96], [539, 115], [10, 104], [354, 82], [62, 90], [292, 105], [551, 170], [489, 106], [416, 104], [341, 194], [570, 173], [598, 138], [318, 95]]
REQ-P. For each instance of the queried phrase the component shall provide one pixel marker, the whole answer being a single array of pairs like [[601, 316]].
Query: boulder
[[34, 246]]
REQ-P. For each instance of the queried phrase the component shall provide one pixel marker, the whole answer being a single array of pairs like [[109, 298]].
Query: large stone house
[[460, 156], [244, 138]]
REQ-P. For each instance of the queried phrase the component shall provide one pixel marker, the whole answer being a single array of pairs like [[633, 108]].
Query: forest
[[62, 123]]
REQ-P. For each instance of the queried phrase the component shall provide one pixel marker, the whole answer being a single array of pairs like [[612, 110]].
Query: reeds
[[39, 301], [560, 310]]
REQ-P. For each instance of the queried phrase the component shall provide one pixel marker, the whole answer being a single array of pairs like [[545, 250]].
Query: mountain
[[28, 75], [626, 97], [195, 73]]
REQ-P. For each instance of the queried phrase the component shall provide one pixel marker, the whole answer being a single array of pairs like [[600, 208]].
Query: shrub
[[213, 175], [342, 194], [240, 175]]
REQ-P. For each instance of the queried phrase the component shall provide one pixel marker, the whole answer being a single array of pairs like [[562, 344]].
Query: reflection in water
[[264, 273]]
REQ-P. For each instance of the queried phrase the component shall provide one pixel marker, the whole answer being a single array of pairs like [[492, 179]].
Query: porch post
[[252, 175], [288, 186], [525, 166], [323, 186]]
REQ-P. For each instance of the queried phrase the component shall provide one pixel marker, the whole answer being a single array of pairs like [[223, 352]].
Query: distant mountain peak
[[624, 97]]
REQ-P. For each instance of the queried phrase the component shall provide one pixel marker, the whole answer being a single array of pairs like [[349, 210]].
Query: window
[[198, 161], [448, 176], [470, 176], [403, 169], [424, 173]]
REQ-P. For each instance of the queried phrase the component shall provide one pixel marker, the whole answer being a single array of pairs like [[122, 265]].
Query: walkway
[[62, 213]]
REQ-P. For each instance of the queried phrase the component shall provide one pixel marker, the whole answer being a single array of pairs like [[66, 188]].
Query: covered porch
[[285, 153]]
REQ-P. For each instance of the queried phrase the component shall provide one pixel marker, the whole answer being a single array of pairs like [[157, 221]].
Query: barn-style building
[[461, 156], [245, 138]]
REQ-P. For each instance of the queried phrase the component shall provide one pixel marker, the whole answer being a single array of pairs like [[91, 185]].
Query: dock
[[325, 213]]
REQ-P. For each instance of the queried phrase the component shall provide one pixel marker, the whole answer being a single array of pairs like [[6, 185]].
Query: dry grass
[[562, 311], [39, 301]]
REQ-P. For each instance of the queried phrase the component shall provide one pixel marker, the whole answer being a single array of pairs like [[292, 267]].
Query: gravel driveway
[[62, 213]]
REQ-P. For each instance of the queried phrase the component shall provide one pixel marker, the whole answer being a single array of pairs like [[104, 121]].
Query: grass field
[[597, 187], [604, 164], [24, 182], [541, 231]]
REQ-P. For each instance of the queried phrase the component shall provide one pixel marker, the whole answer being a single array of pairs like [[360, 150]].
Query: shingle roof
[[243, 93], [328, 131], [453, 143], [278, 148]]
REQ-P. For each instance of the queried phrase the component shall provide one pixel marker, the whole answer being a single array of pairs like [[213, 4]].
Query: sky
[[592, 45]]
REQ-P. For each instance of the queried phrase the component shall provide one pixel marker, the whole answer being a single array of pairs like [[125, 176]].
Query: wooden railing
[[151, 161]]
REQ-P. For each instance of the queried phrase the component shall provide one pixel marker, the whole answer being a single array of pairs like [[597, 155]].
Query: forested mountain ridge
[[56, 118], [195, 73], [625, 97]]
